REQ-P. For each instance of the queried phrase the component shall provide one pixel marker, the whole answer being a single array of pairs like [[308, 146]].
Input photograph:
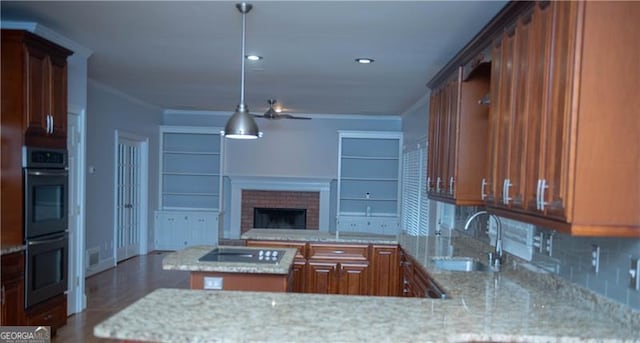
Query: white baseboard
[[100, 267]]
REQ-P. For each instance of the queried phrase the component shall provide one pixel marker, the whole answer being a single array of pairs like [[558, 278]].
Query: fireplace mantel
[[271, 183]]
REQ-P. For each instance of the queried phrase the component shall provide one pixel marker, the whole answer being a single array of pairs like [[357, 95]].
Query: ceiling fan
[[273, 114]]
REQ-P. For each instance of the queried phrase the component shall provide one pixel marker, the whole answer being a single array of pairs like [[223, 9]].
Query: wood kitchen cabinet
[[564, 119], [33, 112], [12, 293], [416, 282], [385, 276], [338, 269], [36, 71], [458, 123]]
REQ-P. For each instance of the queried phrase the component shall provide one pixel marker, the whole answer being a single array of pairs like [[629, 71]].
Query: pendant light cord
[[244, 9]]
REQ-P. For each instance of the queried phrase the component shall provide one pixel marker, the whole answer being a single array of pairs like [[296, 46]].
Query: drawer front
[[51, 313], [339, 252], [301, 246]]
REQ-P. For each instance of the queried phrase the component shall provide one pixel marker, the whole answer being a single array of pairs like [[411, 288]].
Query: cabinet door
[[452, 116], [554, 181], [47, 98], [384, 271], [432, 158], [203, 229], [504, 116], [489, 186], [37, 121], [299, 275], [12, 292], [353, 278], [58, 97], [170, 231], [514, 185], [536, 89], [322, 277]]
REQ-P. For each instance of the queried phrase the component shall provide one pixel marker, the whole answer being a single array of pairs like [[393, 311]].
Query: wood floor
[[115, 289]]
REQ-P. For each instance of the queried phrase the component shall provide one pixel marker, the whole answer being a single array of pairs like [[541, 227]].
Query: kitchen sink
[[459, 264]]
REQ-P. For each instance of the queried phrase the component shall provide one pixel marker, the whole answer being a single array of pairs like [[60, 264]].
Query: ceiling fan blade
[[289, 116]]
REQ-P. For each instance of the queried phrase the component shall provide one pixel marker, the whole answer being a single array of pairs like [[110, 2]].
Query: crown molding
[[47, 33]]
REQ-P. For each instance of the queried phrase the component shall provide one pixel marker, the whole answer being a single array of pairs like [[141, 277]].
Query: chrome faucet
[[496, 258]]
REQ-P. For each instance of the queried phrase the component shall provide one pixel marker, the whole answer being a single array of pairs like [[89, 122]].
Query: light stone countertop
[[495, 309], [11, 248], [515, 305], [317, 236], [187, 259]]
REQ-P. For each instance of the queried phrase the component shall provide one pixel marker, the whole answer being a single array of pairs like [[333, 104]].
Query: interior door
[[127, 207]]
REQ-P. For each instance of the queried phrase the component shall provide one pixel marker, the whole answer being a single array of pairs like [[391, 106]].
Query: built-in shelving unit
[[369, 181], [190, 186]]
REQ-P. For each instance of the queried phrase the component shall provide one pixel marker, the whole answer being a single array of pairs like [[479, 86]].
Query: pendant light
[[241, 124]]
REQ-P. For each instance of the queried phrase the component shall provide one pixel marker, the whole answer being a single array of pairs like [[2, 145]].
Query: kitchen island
[[518, 304], [245, 274]]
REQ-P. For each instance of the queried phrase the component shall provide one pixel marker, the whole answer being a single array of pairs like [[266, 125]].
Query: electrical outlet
[[634, 273], [595, 258], [212, 282], [549, 246]]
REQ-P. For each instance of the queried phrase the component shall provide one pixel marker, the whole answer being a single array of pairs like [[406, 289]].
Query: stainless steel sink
[[460, 264]]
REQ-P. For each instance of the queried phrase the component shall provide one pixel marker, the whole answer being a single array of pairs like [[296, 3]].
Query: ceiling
[[186, 54]]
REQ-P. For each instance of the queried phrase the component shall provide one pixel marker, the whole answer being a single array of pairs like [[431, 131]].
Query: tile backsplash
[[571, 258]]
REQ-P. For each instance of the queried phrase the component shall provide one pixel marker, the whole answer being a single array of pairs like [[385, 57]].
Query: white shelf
[[369, 177], [190, 168]]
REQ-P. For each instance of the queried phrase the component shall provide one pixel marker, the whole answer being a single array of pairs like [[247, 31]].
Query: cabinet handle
[[48, 128], [505, 191], [451, 183], [338, 252], [2, 296], [52, 119], [543, 186], [429, 188], [538, 194], [438, 181], [482, 186]]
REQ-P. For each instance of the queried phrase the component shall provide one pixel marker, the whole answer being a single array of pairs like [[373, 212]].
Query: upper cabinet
[[562, 149], [566, 121], [369, 181], [458, 122], [36, 69]]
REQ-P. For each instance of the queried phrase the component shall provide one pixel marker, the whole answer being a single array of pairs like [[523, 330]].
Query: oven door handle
[[47, 241], [39, 172]]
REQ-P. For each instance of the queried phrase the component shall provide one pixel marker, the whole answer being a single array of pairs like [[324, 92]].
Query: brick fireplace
[[249, 192], [279, 199]]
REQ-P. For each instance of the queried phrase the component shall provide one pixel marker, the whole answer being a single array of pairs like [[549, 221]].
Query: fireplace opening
[[279, 218]]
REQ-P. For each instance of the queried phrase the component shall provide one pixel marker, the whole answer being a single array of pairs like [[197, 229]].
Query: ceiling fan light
[[241, 125]]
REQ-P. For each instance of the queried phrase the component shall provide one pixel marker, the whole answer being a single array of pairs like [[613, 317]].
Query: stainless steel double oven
[[46, 193]]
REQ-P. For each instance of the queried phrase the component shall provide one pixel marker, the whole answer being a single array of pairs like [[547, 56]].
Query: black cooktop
[[243, 255]]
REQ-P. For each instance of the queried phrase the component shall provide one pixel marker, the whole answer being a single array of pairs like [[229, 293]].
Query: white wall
[[108, 111], [415, 121]]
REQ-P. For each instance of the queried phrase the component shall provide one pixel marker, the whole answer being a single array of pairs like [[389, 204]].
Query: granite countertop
[[318, 236], [493, 309], [11, 248], [187, 259], [515, 305]]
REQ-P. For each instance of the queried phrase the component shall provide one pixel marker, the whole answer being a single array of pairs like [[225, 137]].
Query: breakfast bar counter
[[496, 310]]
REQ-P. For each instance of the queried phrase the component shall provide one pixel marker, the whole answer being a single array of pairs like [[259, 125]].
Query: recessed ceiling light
[[364, 60], [254, 57]]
